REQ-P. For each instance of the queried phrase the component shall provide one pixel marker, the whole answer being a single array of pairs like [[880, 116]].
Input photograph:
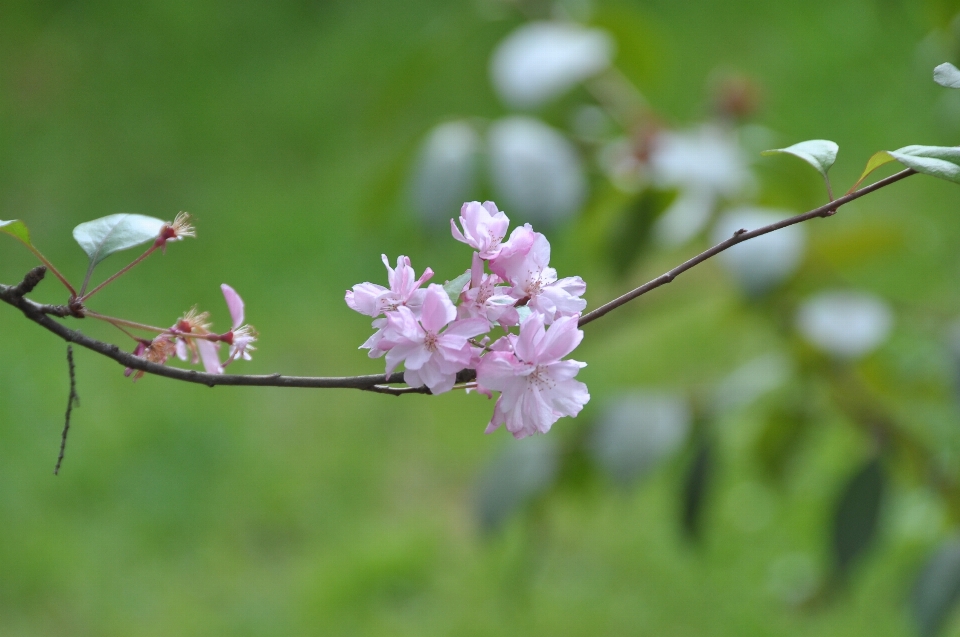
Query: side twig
[[73, 400]]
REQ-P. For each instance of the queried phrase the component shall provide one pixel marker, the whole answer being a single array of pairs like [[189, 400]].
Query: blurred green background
[[290, 131]]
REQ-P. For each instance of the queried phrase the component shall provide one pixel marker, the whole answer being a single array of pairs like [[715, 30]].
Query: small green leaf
[[878, 159], [942, 162], [819, 153], [102, 237], [455, 287], [17, 229], [947, 75]]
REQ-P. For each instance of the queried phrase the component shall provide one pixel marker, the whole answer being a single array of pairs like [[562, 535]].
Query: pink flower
[[373, 300], [536, 387], [484, 227], [430, 357], [241, 337], [514, 251], [525, 265], [486, 298]]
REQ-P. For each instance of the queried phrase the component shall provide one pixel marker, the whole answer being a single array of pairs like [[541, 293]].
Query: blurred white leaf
[[845, 324], [542, 60], [752, 380], [760, 264], [636, 431], [685, 218], [706, 158], [445, 174], [523, 470], [536, 171]]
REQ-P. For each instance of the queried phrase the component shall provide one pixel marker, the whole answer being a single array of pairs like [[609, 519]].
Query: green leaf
[[819, 153], [455, 287], [17, 229], [857, 515], [947, 75], [878, 159], [102, 237], [696, 486], [629, 236], [937, 588], [942, 162]]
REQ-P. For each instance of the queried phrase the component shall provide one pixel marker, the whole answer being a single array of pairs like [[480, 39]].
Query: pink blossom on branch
[[373, 300], [485, 297], [524, 262], [536, 387], [484, 227], [430, 356]]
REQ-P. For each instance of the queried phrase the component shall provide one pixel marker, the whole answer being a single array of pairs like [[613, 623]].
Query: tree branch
[[380, 383], [826, 210]]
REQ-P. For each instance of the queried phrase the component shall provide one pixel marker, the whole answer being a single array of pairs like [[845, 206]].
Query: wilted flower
[[241, 337], [176, 231]]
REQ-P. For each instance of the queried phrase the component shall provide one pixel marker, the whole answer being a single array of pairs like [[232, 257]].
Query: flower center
[[541, 379], [430, 341]]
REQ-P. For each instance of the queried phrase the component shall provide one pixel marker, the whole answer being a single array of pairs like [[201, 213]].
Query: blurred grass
[[287, 129]]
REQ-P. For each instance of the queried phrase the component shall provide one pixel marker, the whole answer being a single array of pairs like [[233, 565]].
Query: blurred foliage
[[291, 131]]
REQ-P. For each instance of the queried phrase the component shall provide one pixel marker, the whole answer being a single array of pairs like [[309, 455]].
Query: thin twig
[[73, 400], [825, 210], [117, 274]]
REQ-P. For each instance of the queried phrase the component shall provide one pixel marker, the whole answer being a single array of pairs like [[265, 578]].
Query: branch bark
[[379, 383]]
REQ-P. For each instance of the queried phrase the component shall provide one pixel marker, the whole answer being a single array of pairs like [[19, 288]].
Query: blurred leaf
[[524, 470], [631, 232], [696, 484], [937, 588], [947, 75], [446, 171], [819, 153], [102, 237], [857, 515], [845, 324], [535, 170], [942, 162], [638, 430], [780, 439], [455, 287], [759, 265], [541, 60], [16, 229]]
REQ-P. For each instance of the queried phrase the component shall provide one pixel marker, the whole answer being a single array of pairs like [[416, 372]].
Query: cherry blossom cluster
[[436, 331]]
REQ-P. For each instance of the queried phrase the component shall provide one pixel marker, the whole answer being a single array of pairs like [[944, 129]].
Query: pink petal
[[561, 339], [437, 309], [234, 304], [209, 356]]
